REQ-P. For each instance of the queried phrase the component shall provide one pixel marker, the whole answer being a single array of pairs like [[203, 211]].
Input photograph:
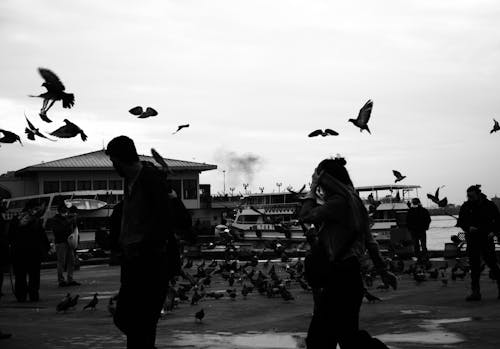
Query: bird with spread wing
[[398, 175], [9, 137], [69, 130], [55, 92], [31, 131], [363, 117], [496, 127], [435, 198], [180, 127], [143, 114], [325, 133]]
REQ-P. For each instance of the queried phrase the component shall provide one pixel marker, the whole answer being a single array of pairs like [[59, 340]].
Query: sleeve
[[428, 219], [463, 219], [333, 210]]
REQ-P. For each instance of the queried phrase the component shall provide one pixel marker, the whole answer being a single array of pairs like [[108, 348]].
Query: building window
[[175, 184], [101, 184], [50, 187], [190, 187], [84, 185], [68, 186], [115, 184]]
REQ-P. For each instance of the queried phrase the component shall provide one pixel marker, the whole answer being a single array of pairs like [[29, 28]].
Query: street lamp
[[231, 189], [224, 173], [261, 189], [279, 186], [245, 186]]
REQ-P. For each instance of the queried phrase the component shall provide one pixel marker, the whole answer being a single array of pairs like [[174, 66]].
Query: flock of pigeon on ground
[[56, 91], [235, 280]]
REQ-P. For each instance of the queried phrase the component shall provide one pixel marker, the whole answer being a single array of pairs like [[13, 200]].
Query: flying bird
[[161, 161], [363, 117], [69, 130], [435, 199], [55, 92], [325, 133], [9, 137], [141, 114], [93, 303], [496, 127], [297, 192], [398, 175], [180, 127], [31, 131]]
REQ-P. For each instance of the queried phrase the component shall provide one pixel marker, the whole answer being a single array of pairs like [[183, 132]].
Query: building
[[94, 171]]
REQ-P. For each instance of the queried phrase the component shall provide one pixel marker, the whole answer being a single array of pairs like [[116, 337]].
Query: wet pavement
[[424, 316]]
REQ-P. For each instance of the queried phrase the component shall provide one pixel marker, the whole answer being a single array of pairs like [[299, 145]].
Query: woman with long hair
[[343, 236]]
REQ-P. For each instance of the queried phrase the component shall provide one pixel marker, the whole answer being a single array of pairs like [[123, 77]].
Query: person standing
[[4, 247], [29, 246], [480, 220], [418, 222], [344, 235], [148, 248], [62, 226]]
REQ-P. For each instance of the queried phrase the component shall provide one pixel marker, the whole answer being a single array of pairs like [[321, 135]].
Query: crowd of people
[[143, 240]]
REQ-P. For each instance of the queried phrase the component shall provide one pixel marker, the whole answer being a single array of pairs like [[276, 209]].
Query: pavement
[[428, 315]]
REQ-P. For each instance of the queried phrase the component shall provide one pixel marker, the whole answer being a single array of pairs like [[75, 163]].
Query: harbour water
[[442, 227]]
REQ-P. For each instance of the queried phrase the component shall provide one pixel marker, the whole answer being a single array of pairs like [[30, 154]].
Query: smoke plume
[[240, 168]]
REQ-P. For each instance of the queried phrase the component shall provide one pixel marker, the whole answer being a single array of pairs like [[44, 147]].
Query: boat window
[[115, 184], [277, 199], [175, 184], [248, 219]]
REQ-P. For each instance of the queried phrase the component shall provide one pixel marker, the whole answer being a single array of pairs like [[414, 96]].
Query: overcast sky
[[258, 76]]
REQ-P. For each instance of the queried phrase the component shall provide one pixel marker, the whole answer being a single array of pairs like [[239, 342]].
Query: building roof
[[98, 160], [387, 187]]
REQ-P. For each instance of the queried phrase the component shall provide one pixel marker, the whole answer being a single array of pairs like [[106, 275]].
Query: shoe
[[474, 297], [63, 284], [74, 283], [5, 335]]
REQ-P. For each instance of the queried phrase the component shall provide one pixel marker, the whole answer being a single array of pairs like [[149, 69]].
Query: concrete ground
[[424, 316]]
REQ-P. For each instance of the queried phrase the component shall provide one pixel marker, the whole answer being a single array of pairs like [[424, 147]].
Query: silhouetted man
[[480, 219], [418, 222], [148, 247]]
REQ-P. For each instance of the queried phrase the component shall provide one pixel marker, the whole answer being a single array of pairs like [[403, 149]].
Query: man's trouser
[[144, 285], [480, 245], [65, 261]]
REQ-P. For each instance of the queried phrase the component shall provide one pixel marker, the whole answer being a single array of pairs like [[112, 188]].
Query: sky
[[255, 77]]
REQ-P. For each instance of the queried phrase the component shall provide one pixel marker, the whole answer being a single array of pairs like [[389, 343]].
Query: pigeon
[[435, 199], [496, 127], [141, 114], [73, 301], [398, 175], [9, 137], [31, 131], [93, 303], [69, 130], [161, 161], [371, 298], [325, 133], [64, 304], [363, 117], [199, 315], [180, 127], [196, 298], [55, 92]]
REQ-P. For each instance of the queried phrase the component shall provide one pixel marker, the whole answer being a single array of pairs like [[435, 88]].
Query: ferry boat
[[274, 216]]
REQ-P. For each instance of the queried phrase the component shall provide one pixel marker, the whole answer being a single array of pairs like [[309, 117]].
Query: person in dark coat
[[336, 210], [418, 222], [62, 226], [29, 246], [4, 247], [148, 247], [480, 220]]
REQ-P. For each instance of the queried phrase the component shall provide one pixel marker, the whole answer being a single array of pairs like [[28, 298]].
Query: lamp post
[[261, 189], [224, 174], [279, 184], [245, 186], [231, 189]]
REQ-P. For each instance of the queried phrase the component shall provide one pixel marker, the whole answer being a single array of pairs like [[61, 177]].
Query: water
[[442, 228]]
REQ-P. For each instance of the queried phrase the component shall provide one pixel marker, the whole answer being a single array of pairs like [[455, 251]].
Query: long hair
[[336, 169]]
